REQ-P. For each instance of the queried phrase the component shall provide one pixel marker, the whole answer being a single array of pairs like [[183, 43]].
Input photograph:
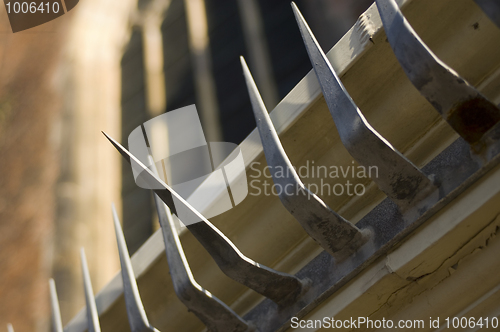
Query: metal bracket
[[336, 235]]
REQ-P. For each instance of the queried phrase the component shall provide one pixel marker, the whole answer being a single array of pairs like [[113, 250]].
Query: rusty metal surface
[[54, 304], [215, 314], [336, 235], [92, 315], [397, 177], [467, 111], [136, 314], [281, 287]]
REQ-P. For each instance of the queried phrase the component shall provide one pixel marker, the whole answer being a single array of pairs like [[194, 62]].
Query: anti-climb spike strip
[[468, 112], [215, 314], [54, 303], [137, 318], [491, 8], [336, 235], [10, 328], [286, 288], [401, 181], [92, 315]]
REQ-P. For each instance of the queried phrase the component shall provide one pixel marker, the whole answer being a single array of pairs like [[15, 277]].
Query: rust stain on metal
[[406, 187], [473, 118]]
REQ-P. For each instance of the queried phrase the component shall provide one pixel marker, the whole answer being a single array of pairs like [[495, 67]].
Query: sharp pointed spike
[[229, 259], [117, 146], [468, 112], [54, 303], [92, 315], [401, 181], [156, 182], [491, 8], [137, 318], [152, 180], [336, 235], [215, 314]]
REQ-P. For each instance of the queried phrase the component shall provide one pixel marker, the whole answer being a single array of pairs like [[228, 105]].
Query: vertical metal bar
[[54, 303], [92, 315], [280, 287], [467, 111], [336, 235], [402, 181], [136, 314]]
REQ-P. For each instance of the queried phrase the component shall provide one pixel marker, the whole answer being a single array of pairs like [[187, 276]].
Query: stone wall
[[30, 109]]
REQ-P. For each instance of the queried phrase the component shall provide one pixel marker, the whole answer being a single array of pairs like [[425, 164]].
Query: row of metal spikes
[[468, 112]]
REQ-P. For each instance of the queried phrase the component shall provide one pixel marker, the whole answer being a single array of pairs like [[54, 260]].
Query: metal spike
[[92, 315], [402, 181], [137, 318], [54, 303], [491, 8], [469, 113], [215, 314], [336, 235], [10, 328], [230, 260]]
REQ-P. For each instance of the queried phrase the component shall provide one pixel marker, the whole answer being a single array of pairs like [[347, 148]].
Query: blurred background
[[112, 65]]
